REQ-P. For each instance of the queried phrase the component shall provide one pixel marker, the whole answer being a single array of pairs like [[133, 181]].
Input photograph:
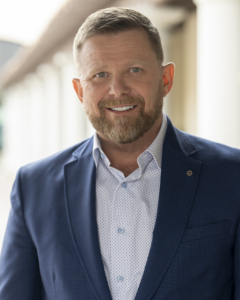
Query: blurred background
[[39, 111]]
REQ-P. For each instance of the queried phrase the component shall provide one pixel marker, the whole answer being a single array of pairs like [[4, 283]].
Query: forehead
[[131, 44]]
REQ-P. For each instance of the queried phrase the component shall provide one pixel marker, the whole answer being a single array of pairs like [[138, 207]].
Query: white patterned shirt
[[126, 213]]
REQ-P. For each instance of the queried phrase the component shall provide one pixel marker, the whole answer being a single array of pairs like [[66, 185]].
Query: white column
[[35, 117], [73, 117], [218, 70], [51, 108], [13, 129]]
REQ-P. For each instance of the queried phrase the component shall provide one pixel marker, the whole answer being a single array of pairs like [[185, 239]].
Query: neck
[[124, 156]]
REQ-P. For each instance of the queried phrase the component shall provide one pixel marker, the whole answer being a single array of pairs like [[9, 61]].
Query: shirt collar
[[155, 149], [97, 148]]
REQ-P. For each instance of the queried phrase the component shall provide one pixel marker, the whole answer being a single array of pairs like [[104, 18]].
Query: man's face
[[121, 85]]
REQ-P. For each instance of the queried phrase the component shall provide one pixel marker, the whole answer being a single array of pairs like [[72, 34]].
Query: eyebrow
[[128, 64], [101, 68], [97, 68]]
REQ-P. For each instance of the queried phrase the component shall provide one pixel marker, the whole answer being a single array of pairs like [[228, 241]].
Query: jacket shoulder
[[213, 151], [55, 162]]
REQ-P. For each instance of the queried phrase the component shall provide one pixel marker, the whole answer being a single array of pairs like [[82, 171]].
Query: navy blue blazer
[[51, 248]]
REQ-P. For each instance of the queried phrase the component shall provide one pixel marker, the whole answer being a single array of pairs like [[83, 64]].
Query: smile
[[123, 108]]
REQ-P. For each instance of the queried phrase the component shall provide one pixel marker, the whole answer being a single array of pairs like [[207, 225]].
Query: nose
[[118, 87]]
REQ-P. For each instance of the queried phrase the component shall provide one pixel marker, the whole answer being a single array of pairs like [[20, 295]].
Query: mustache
[[123, 101]]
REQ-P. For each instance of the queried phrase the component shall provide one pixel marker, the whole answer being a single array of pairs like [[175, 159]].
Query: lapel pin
[[189, 173]]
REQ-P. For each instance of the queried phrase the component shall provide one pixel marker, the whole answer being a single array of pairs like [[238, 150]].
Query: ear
[[168, 74], [78, 88]]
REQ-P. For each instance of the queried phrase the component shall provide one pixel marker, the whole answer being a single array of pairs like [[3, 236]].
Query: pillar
[[218, 69]]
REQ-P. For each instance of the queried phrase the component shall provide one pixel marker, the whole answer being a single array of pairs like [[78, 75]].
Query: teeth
[[122, 108]]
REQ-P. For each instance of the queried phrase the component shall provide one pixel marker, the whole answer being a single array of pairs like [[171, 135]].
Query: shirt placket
[[122, 239]]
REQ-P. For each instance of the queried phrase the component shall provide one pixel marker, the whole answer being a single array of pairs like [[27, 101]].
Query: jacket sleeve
[[19, 270]]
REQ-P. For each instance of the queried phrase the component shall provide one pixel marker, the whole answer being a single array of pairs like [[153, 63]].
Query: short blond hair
[[115, 20]]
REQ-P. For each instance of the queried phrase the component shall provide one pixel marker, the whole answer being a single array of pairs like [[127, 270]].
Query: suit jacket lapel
[[80, 181], [177, 193]]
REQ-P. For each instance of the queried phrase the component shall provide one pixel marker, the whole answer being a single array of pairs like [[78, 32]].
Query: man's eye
[[101, 75], [135, 70]]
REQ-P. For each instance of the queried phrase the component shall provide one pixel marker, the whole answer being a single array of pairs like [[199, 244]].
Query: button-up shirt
[[126, 214]]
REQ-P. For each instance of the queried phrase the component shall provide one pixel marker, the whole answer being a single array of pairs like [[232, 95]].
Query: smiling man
[[122, 84], [139, 211]]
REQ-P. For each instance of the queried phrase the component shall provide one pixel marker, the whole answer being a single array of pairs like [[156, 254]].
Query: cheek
[[89, 90], [148, 93], [90, 105], [95, 91], [91, 97]]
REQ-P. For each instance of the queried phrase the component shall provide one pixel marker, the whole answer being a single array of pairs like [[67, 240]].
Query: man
[[141, 210]]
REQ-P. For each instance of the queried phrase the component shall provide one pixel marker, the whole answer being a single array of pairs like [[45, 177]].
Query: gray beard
[[126, 129]]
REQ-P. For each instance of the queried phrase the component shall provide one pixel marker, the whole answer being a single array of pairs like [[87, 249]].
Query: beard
[[126, 129]]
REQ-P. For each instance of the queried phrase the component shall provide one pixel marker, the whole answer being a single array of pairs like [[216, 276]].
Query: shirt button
[[124, 184], [121, 230], [119, 279]]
